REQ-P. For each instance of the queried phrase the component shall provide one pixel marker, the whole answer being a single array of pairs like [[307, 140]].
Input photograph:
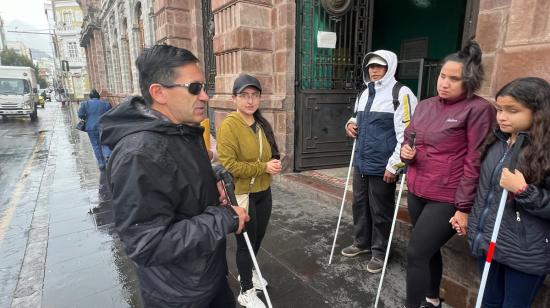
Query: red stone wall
[[257, 37], [179, 23], [515, 38]]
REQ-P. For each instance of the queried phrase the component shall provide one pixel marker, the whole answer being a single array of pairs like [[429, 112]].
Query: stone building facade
[[65, 18], [261, 37]]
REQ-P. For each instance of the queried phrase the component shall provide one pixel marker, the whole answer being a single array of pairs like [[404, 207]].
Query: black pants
[[259, 210], [431, 230], [373, 207], [222, 298]]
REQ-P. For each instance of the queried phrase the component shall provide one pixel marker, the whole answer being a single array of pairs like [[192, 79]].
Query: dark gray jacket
[[165, 203], [523, 240]]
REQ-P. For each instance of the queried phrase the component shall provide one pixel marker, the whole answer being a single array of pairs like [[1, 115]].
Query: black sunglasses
[[193, 87]]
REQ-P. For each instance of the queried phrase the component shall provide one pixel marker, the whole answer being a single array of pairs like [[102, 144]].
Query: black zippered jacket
[[523, 240], [165, 203]]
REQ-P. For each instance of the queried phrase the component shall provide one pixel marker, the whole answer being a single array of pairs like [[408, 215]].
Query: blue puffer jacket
[[523, 240], [379, 125]]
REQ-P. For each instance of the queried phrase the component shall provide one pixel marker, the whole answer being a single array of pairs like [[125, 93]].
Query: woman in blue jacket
[[91, 110], [522, 255]]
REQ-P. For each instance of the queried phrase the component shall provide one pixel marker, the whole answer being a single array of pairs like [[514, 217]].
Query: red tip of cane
[[490, 253]]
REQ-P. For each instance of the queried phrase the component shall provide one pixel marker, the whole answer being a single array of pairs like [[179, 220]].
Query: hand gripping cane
[[492, 245], [410, 142], [229, 189], [343, 202]]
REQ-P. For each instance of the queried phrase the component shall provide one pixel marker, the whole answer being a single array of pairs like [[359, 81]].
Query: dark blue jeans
[[101, 152], [509, 288]]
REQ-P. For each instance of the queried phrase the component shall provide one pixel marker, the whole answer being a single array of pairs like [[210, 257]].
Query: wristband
[[521, 190]]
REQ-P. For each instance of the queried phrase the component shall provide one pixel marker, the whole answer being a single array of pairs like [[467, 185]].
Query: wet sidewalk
[[83, 264]]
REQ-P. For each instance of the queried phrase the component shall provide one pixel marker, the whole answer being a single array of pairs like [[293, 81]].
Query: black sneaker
[[375, 265], [352, 251]]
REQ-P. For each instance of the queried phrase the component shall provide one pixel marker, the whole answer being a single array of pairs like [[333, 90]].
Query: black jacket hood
[[134, 115]]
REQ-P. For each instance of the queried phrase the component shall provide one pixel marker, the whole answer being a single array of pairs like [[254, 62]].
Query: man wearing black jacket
[[167, 205]]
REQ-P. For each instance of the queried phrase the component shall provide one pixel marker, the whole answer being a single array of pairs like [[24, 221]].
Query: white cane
[[390, 239], [492, 245], [343, 202], [410, 142], [228, 187], [252, 255]]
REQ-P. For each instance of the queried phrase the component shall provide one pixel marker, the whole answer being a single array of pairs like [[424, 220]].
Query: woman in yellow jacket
[[246, 147]]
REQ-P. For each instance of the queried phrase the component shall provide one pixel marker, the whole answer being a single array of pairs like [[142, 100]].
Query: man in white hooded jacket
[[382, 112]]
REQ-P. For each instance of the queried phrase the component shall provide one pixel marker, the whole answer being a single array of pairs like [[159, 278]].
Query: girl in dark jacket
[[522, 257], [443, 169]]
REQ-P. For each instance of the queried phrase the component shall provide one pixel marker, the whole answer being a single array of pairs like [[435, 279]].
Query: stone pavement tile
[[69, 213], [109, 298], [80, 223], [77, 280], [74, 245], [59, 201]]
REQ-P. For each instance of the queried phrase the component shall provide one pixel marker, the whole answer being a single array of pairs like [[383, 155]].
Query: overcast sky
[[26, 15]]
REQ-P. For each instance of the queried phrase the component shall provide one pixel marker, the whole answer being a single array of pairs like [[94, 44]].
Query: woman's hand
[[407, 152], [512, 182], [459, 222], [273, 167]]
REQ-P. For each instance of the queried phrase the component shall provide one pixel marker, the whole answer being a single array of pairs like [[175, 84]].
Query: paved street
[[55, 254]]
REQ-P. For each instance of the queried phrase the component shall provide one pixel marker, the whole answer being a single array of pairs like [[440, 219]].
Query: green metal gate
[[328, 79]]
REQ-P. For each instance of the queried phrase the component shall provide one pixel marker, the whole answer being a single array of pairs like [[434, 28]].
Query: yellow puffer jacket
[[238, 151]]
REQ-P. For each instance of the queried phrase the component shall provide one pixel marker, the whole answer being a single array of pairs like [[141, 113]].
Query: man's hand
[[389, 177], [512, 182], [351, 129], [243, 218], [407, 152], [273, 167], [459, 222]]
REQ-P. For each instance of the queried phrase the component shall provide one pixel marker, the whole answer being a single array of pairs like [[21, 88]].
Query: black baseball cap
[[244, 81]]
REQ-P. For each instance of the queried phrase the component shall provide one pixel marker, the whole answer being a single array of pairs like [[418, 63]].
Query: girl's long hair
[[534, 160], [268, 130]]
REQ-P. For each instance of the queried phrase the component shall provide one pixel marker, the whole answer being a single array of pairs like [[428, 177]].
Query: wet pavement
[[56, 254]]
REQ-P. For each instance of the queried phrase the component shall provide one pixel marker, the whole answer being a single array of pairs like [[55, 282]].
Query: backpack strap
[[395, 94]]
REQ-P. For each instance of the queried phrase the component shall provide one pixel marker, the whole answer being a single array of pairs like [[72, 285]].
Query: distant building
[[20, 48], [65, 19]]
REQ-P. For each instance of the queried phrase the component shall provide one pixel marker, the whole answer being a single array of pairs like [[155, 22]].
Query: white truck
[[18, 91]]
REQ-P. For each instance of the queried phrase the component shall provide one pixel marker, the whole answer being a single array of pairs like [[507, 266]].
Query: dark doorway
[[328, 80]]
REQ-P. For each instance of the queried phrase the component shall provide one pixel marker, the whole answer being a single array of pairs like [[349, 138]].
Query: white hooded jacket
[[380, 129]]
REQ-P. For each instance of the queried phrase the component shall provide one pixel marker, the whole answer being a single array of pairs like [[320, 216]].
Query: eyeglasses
[[247, 96], [193, 87]]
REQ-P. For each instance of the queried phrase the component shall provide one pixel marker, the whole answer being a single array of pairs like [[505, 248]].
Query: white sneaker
[[249, 299], [255, 281]]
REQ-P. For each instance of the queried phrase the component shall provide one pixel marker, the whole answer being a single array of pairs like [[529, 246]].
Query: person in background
[[521, 256], [382, 113], [443, 169], [247, 148], [90, 111], [169, 211]]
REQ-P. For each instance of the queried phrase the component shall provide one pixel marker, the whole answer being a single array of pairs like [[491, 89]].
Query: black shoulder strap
[[395, 94]]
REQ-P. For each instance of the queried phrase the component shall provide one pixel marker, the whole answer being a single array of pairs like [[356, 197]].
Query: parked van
[[18, 91]]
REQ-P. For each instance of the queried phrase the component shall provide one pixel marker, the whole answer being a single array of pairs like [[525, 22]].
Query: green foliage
[[11, 58]]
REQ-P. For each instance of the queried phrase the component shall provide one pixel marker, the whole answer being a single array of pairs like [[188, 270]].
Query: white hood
[[390, 58]]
